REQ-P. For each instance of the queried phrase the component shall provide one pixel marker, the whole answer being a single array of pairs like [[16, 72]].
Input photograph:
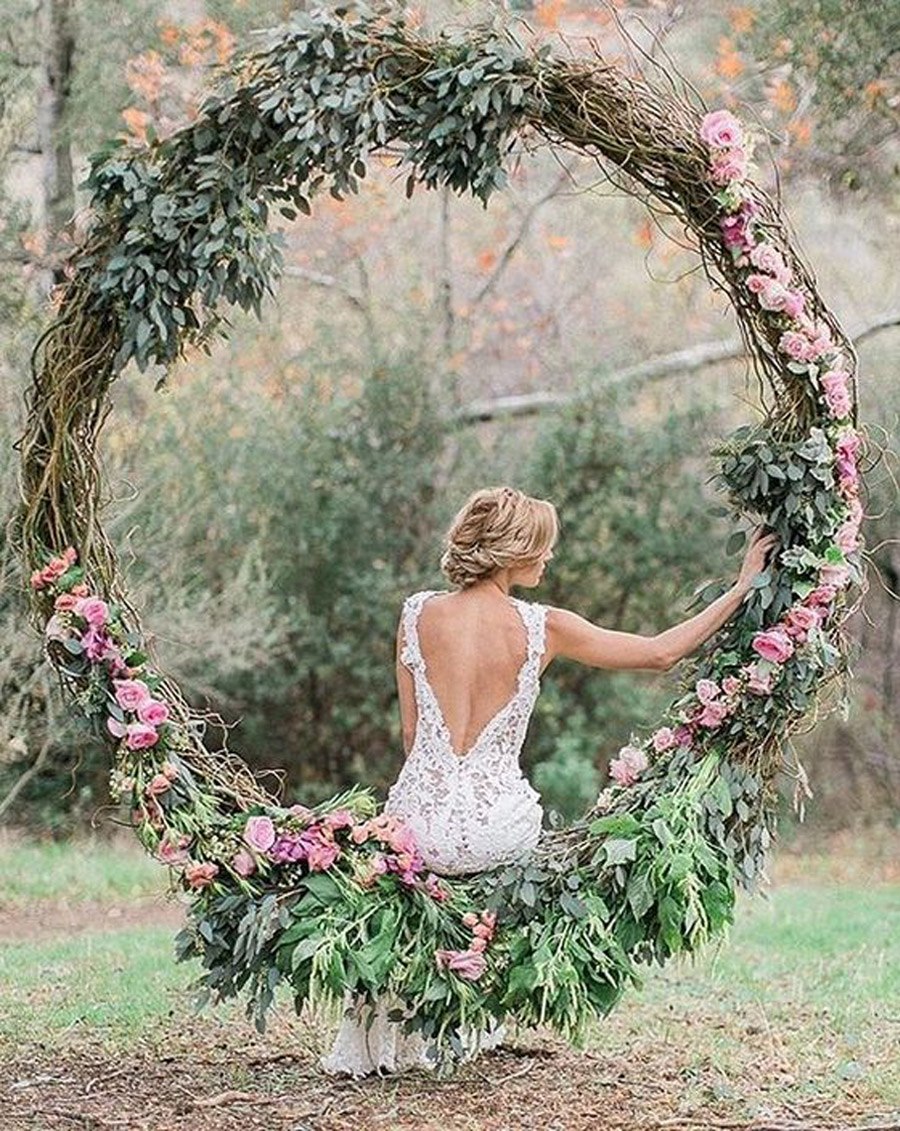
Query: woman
[[469, 664]]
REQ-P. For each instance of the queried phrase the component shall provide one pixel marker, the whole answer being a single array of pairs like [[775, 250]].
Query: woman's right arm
[[576, 638]]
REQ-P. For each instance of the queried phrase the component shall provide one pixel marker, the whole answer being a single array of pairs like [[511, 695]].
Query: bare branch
[[490, 284], [331, 282], [654, 369]]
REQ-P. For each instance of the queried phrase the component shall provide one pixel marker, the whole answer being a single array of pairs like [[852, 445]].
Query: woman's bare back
[[474, 647]]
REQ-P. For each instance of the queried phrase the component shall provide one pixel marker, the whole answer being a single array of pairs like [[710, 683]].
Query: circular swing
[[335, 898]]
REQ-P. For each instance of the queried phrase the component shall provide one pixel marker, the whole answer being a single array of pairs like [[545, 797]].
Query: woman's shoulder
[[417, 599]]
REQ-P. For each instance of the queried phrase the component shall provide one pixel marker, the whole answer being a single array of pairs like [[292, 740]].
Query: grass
[[799, 1006], [84, 869]]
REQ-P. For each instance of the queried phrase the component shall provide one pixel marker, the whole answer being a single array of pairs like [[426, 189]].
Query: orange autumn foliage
[[643, 235], [876, 91], [782, 96], [801, 131], [548, 13], [137, 122], [729, 64], [486, 260], [145, 75], [741, 20]]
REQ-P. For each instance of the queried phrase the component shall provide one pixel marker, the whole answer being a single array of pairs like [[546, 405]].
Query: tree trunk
[[56, 83]]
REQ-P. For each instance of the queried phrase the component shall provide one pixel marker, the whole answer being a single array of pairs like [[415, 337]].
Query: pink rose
[[846, 452], [158, 785], [94, 610], [243, 863], [259, 833], [663, 739], [774, 296], [819, 334], [729, 165], [799, 620], [321, 854], [731, 685], [359, 834], [765, 257], [489, 918], [200, 875], [797, 346], [759, 680], [173, 850], [628, 767], [837, 394], [482, 931], [115, 727], [131, 693], [774, 645], [835, 575], [478, 946], [822, 596], [847, 536], [435, 888], [339, 819], [97, 645], [153, 711], [139, 736], [470, 919], [736, 228], [707, 690], [54, 630], [713, 714], [684, 736], [117, 665], [721, 130], [300, 811], [468, 964], [65, 602]]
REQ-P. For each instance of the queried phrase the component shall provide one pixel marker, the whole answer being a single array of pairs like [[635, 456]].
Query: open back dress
[[471, 812]]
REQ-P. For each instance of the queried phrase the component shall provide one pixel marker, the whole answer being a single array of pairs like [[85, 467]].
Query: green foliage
[[569, 779]]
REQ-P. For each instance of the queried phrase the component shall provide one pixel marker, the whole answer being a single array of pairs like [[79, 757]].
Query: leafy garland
[[337, 898]]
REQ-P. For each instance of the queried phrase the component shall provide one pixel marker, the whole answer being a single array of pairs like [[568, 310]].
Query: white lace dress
[[470, 812]]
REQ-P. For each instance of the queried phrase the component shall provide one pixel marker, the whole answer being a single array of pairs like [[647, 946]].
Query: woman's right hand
[[755, 556]]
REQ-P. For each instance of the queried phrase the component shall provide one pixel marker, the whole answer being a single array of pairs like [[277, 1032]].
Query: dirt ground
[[239, 1085]]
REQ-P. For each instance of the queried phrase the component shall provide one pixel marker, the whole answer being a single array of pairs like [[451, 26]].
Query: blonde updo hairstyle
[[495, 528]]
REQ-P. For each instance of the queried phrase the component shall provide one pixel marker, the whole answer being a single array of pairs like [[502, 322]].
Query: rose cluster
[[317, 842], [806, 342], [86, 620]]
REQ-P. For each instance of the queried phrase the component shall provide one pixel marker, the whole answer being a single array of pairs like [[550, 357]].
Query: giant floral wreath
[[336, 898]]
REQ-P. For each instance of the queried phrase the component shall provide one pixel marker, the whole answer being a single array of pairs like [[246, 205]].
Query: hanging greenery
[[337, 898]]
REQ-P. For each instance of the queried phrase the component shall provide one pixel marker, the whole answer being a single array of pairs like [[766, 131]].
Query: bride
[[469, 664]]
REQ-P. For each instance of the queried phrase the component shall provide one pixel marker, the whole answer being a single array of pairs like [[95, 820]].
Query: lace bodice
[[471, 811]]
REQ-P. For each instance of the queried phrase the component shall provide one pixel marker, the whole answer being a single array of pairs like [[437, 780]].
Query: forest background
[[273, 503]]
